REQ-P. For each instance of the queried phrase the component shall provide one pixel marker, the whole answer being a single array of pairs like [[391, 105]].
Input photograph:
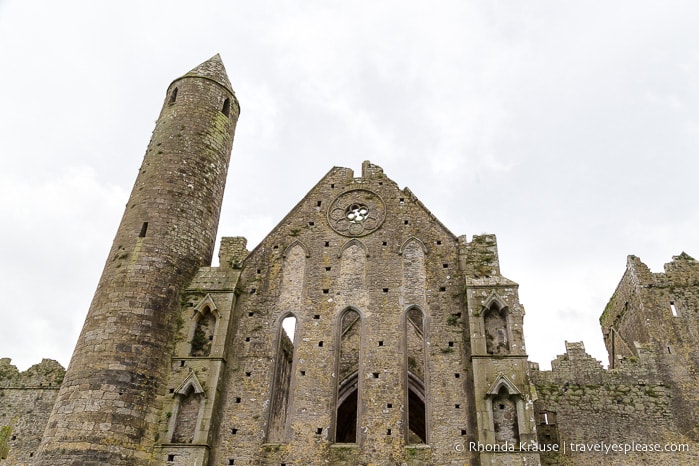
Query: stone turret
[[107, 406]]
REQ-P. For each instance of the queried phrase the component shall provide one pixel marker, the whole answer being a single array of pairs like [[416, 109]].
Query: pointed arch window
[[187, 411], [415, 376], [203, 335], [282, 383], [497, 339], [346, 413], [506, 407]]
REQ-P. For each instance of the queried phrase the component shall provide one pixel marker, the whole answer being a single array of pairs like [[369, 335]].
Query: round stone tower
[[106, 409]]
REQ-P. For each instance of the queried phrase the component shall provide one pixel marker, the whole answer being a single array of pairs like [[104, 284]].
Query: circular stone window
[[356, 213]]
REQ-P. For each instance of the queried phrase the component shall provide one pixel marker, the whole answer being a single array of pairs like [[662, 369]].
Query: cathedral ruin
[[360, 331]]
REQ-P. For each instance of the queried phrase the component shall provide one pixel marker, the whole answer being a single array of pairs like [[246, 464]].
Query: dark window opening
[[226, 110], [144, 228], [173, 97], [348, 380], [346, 426]]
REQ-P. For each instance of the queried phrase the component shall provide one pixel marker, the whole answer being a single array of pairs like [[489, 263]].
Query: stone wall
[[26, 400], [580, 404]]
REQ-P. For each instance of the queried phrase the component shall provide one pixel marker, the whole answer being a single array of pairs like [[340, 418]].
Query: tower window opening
[[144, 228], [673, 309], [173, 97], [226, 110]]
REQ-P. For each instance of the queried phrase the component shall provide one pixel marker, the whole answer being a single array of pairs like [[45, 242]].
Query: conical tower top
[[214, 70]]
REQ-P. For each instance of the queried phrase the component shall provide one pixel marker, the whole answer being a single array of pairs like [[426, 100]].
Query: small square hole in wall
[[234, 431], [310, 224], [380, 183], [442, 288], [250, 314], [388, 431], [316, 316], [439, 242], [247, 338], [327, 269], [389, 405], [211, 338], [275, 247], [445, 266], [231, 461], [320, 344], [303, 372], [238, 399], [327, 244], [172, 390], [385, 290], [381, 343], [248, 374], [451, 344], [463, 431], [319, 430], [457, 375], [326, 291], [171, 457], [375, 375], [401, 201], [384, 243], [319, 203], [252, 290], [182, 363], [457, 406], [332, 185], [405, 222], [259, 271]]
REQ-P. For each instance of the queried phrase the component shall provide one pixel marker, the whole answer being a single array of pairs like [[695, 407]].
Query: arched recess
[[410, 240], [187, 411], [292, 245], [203, 330], [350, 243], [506, 407], [346, 412], [497, 328], [281, 390], [415, 364]]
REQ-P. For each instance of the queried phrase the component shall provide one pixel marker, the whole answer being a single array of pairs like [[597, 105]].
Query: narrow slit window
[[226, 110], [173, 97], [348, 381], [281, 389], [144, 228], [673, 308], [415, 366]]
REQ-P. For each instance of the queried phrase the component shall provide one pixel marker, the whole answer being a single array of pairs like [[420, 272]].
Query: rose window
[[356, 213]]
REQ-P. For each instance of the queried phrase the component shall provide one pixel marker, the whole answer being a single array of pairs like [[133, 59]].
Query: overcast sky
[[568, 129]]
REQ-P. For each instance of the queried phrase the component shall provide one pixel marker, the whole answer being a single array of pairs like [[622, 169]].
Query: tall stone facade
[[359, 331]]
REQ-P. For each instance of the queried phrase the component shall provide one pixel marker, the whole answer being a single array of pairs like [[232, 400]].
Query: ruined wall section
[[376, 290], [26, 400], [581, 403], [659, 310]]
